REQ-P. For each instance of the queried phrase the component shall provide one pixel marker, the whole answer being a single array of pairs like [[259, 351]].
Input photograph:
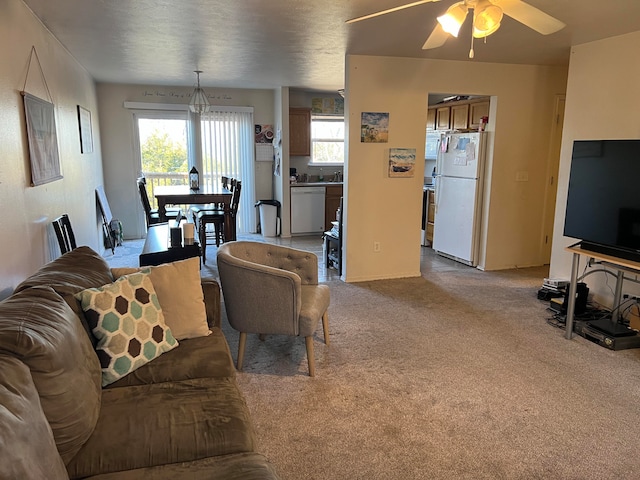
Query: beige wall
[[601, 104], [121, 161], [387, 210], [26, 235]]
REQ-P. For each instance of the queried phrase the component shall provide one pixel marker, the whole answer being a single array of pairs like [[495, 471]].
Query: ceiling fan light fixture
[[453, 19], [199, 102], [486, 18]]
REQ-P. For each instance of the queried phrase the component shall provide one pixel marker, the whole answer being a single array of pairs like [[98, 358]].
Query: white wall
[[388, 210], [26, 235], [121, 162], [601, 104]]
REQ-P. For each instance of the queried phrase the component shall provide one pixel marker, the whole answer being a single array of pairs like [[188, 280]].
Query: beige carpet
[[454, 376]]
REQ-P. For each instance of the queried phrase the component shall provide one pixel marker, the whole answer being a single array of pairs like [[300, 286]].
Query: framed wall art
[[43, 140], [402, 162], [86, 135], [374, 127]]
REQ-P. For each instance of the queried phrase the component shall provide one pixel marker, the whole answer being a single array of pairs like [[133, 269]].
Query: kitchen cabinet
[[431, 215], [300, 132], [333, 193], [431, 119], [443, 116], [477, 110], [460, 117]]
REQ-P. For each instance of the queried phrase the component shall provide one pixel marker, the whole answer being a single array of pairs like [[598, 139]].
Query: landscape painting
[[374, 127]]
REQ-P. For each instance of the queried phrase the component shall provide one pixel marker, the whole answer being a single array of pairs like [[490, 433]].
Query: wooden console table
[[156, 248], [620, 264]]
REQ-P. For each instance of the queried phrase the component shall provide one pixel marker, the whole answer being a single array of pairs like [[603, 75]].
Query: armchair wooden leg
[[310, 358], [325, 327], [241, 344], [262, 337]]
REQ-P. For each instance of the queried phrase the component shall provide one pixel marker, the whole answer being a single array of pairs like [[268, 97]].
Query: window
[[166, 143], [228, 149], [327, 140]]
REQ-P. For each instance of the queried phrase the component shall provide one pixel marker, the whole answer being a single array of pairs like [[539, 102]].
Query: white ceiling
[[295, 43]]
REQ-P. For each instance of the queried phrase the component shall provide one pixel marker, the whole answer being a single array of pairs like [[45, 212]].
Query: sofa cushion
[[239, 466], [164, 423], [126, 318], [179, 289], [70, 273], [26, 441], [199, 357], [38, 327]]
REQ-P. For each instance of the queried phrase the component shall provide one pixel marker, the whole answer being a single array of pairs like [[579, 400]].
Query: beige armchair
[[272, 289]]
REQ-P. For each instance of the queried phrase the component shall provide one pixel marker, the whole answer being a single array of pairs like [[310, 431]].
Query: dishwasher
[[307, 210]]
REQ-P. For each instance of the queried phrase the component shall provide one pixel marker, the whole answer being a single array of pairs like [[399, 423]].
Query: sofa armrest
[[211, 291]]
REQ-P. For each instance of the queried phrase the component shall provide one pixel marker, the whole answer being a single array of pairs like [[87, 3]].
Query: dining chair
[[216, 217], [152, 216], [226, 182], [64, 233]]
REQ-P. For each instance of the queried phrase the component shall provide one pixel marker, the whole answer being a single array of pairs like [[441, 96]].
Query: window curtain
[[228, 150]]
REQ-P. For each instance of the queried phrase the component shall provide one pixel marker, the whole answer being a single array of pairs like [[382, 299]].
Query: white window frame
[[325, 118]]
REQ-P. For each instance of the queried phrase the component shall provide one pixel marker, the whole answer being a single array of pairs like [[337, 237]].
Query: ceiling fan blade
[[390, 10], [530, 16], [436, 39]]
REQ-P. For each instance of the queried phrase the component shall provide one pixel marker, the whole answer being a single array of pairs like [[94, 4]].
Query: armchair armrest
[[211, 291]]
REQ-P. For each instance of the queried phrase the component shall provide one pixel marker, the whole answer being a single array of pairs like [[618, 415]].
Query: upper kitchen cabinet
[[300, 132], [477, 110], [431, 119], [458, 115], [443, 118]]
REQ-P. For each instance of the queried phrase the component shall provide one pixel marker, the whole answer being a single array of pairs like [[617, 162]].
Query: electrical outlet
[[376, 247]]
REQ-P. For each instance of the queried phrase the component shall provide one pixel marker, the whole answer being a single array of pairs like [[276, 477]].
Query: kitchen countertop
[[314, 184]]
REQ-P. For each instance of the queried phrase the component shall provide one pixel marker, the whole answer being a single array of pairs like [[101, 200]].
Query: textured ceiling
[[295, 43]]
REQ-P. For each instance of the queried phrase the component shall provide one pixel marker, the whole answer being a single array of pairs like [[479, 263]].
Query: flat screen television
[[603, 203]]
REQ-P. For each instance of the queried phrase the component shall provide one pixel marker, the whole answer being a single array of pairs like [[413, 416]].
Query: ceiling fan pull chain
[[471, 53]]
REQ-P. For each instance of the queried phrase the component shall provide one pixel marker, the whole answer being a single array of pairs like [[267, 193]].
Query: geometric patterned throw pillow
[[126, 318]]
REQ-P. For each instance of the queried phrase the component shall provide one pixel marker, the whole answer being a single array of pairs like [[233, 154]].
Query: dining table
[[184, 195]]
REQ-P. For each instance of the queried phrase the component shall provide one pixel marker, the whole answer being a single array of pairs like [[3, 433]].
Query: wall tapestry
[[43, 142]]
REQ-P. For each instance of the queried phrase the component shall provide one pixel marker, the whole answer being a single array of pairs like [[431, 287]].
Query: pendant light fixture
[[199, 102]]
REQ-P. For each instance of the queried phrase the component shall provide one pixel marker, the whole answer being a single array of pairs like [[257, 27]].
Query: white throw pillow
[[179, 289]]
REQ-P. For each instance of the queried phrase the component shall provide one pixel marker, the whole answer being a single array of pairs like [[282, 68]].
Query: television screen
[[603, 203]]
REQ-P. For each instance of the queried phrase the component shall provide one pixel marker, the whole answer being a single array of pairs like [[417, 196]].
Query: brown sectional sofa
[[179, 416]]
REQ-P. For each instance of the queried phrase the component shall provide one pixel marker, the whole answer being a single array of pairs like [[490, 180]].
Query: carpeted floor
[[453, 375]]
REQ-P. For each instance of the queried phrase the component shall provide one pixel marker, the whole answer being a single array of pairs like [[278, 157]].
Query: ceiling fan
[[487, 15]]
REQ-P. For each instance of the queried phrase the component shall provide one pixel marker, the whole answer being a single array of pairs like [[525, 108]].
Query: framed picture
[[402, 162], [86, 136], [43, 141], [374, 127]]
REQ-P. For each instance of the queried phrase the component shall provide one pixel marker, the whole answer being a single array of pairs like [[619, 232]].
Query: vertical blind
[[227, 150]]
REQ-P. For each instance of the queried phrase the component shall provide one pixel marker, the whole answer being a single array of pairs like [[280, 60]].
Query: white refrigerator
[[458, 196]]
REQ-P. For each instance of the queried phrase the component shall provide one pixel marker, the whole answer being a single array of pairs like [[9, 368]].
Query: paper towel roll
[[188, 232]]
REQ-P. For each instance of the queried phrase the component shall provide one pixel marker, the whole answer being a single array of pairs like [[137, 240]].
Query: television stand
[[622, 265]]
